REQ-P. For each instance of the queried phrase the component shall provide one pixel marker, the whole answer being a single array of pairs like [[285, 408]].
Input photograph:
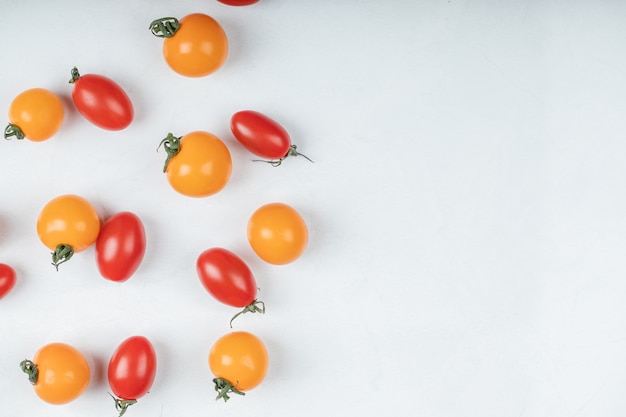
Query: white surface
[[466, 206]]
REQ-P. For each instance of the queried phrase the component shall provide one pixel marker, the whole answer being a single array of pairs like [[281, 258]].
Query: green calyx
[[75, 75], [171, 144], [122, 405], [224, 387], [61, 254], [254, 307], [13, 130], [30, 369], [165, 27], [292, 152]]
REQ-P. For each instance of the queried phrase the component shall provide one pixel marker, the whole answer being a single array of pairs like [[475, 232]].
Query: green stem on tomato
[[164, 27], [255, 306], [172, 146], [62, 253], [75, 75], [122, 405], [13, 130], [224, 387], [292, 152], [30, 369]]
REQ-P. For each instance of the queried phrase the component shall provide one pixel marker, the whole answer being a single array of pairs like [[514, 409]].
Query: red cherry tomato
[[262, 136], [238, 2], [227, 278], [131, 371], [101, 101], [120, 246], [7, 279]]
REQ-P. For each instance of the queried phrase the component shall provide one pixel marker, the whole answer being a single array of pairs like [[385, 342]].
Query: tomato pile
[[197, 164]]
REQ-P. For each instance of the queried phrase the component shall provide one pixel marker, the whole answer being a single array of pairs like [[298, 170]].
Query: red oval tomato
[[262, 136], [227, 278], [101, 101], [120, 246], [7, 279], [131, 371], [238, 2]]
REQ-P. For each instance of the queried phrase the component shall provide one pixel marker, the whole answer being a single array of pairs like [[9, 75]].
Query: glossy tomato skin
[[7, 279], [260, 134], [277, 233], [68, 219], [198, 48], [120, 246], [240, 358], [102, 101], [38, 113], [226, 277], [238, 2], [202, 167], [132, 368], [63, 373]]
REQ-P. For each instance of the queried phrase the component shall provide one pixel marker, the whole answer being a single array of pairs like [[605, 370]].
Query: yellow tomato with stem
[[67, 224], [198, 164], [35, 114], [59, 373], [195, 46], [239, 362], [277, 233]]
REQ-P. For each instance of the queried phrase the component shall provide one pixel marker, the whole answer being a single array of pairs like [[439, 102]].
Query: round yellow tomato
[[194, 47], [277, 233], [198, 164], [59, 373], [67, 224], [239, 361], [35, 114]]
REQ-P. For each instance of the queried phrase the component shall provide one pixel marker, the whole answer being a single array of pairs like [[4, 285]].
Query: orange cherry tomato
[[198, 164], [195, 46], [67, 224], [35, 114], [239, 362], [59, 373], [277, 233]]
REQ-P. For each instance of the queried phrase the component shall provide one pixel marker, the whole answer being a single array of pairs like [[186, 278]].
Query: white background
[[466, 206]]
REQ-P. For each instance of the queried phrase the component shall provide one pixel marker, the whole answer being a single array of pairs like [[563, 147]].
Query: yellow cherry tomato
[[239, 362], [67, 224], [59, 373], [277, 233], [198, 164], [35, 114], [195, 46]]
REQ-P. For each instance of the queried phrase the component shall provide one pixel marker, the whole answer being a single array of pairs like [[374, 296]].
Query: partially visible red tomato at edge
[[238, 2], [101, 101], [121, 246], [132, 368], [260, 135], [7, 279]]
